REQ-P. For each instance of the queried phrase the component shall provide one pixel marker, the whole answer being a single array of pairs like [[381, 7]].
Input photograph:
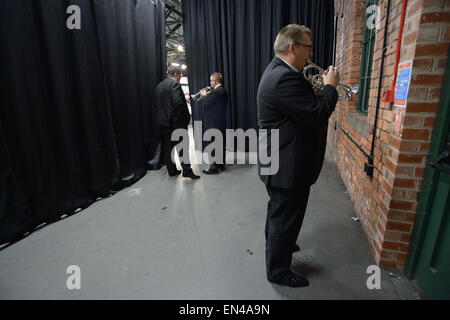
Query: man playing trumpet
[[215, 115], [286, 101]]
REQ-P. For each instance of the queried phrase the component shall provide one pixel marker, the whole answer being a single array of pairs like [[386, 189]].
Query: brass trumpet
[[317, 82], [198, 96]]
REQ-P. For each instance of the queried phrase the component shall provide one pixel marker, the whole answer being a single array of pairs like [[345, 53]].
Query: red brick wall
[[387, 202]]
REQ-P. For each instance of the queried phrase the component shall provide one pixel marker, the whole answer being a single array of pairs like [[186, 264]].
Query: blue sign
[[402, 85]]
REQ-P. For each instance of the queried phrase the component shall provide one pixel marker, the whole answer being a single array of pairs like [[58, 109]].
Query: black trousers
[[213, 152], [285, 213], [167, 146]]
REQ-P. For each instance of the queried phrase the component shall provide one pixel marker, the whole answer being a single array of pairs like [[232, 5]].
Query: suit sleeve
[[179, 105], [215, 96], [178, 99], [296, 99]]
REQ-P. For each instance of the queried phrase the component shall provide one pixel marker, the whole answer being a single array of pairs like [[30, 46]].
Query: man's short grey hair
[[218, 77], [172, 70], [287, 35]]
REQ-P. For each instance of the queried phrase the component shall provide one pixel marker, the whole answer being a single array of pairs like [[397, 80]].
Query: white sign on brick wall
[[399, 113]]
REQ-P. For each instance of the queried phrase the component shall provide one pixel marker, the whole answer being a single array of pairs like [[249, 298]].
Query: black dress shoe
[[292, 280], [175, 173], [295, 248], [151, 167], [212, 170], [190, 174]]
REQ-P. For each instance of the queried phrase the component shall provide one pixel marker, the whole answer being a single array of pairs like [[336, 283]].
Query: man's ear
[[291, 47]]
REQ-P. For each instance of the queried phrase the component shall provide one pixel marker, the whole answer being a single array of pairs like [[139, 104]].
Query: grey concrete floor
[[173, 238]]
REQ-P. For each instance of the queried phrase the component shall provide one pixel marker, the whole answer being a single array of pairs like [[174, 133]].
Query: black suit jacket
[[215, 109], [171, 107], [286, 101]]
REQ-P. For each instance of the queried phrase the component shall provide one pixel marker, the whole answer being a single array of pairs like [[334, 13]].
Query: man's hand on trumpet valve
[[331, 77], [203, 92]]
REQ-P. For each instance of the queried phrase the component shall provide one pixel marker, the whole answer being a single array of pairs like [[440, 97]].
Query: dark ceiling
[[174, 32]]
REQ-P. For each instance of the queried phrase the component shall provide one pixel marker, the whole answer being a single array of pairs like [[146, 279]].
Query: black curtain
[[132, 37], [235, 37], [75, 113]]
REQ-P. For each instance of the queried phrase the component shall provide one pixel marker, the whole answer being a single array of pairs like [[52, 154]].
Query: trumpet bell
[[349, 91], [198, 96]]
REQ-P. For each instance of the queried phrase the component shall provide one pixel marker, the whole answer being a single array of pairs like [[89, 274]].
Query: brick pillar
[[386, 203], [425, 42]]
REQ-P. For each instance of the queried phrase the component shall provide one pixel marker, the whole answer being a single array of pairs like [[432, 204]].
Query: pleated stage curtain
[[76, 105], [236, 37]]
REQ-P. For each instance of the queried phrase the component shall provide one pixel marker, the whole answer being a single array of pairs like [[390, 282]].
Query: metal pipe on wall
[[369, 166]]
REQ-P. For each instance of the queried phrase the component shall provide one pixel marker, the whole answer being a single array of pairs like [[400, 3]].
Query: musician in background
[[215, 115], [286, 101], [172, 113]]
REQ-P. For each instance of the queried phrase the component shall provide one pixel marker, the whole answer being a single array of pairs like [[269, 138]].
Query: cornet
[[317, 82], [198, 96]]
